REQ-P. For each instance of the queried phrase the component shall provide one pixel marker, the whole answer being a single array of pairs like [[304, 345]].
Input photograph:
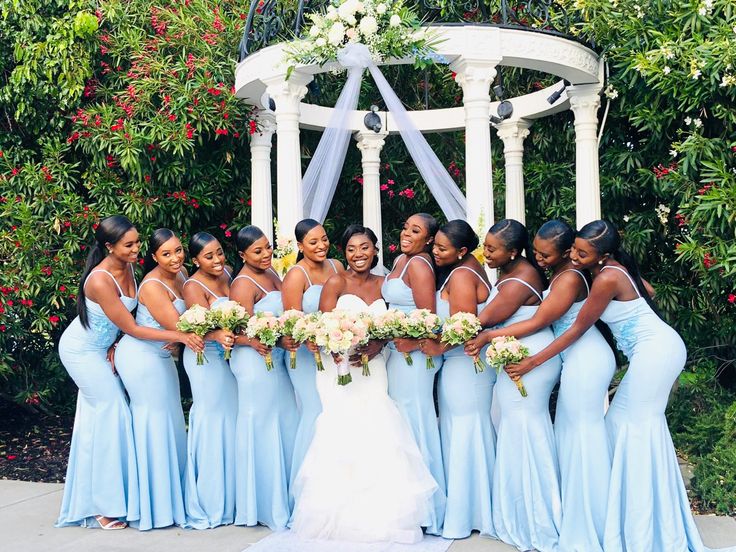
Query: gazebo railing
[[271, 21]]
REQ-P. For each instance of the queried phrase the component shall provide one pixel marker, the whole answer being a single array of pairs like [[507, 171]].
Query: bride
[[363, 478]]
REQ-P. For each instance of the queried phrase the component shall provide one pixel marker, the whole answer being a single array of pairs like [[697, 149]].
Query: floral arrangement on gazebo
[[388, 29]]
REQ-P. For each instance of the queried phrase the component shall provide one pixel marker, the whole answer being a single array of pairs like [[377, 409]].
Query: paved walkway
[[28, 511]]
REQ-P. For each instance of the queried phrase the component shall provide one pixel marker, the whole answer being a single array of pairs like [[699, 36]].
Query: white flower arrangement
[[387, 28], [284, 252]]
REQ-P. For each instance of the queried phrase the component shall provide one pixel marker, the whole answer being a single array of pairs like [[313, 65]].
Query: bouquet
[[338, 331], [505, 350], [287, 321], [194, 320], [265, 327], [383, 326], [305, 329], [284, 254], [228, 315], [459, 328], [420, 324]]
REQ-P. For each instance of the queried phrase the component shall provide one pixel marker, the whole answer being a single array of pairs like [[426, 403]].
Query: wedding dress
[[363, 478]]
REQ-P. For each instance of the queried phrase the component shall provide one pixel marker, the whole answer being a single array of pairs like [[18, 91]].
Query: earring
[[196, 264], [600, 262], [109, 250], [513, 257], [459, 257]]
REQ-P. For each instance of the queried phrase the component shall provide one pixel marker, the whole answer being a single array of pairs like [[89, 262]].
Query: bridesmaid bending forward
[[301, 290], [209, 490], [410, 286], [466, 431], [152, 382], [101, 478], [267, 417]]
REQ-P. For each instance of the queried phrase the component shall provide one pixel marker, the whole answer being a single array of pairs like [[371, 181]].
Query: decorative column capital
[[584, 102], [474, 77], [287, 93], [371, 143], [266, 122], [513, 133]]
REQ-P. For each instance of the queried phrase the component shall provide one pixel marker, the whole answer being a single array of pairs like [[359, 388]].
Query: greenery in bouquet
[[288, 322], [504, 350], [195, 320], [459, 328], [305, 329], [266, 328], [284, 252], [421, 324]]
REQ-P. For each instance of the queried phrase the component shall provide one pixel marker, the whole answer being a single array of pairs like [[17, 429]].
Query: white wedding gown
[[363, 478]]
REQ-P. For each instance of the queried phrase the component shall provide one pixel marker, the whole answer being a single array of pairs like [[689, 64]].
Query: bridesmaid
[[410, 286], [101, 478], [301, 290], [209, 483], [587, 369], [648, 508], [152, 382], [267, 418], [466, 431], [526, 494]]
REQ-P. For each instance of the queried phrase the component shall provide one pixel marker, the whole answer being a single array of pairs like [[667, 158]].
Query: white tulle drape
[[320, 180]]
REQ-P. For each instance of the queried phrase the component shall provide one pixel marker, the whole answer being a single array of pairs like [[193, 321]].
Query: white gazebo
[[474, 52]]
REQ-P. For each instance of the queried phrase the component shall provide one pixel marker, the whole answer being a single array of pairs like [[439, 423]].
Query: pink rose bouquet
[[420, 324], [338, 332], [228, 315], [265, 327], [305, 329], [288, 320], [194, 320], [505, 350], [459, 328]]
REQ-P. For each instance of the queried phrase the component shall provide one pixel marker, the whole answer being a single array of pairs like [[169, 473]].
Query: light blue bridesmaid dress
[[580, 433], [412, 388], [527, 509], [468, 440], [101, 477], [265, 431], [303, 379], [648, 508], [209, 483], [151, 379]]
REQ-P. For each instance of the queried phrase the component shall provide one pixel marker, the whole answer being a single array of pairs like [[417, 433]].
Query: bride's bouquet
[[228, 315], [288, 321], [194, 320], [265, 327], [459, 328], [338, 332], [305, 329], [383, 326], [505, 350], [420, 324]]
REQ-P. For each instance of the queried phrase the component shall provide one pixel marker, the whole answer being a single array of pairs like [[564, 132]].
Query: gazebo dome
[[518, 35]]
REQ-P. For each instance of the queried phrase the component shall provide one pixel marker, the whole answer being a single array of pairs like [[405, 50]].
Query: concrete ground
[[28, 511]]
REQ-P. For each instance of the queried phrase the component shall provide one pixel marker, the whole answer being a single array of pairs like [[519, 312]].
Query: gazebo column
[[584, 102], [513, 133], [260, 172], [475, 77], [287, 94], [370, 144]]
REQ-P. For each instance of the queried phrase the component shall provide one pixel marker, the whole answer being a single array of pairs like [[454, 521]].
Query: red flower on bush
[[408, 193], [252, 127], [46, 270], [392, 247], [221, 131], [708, 261], [54, 319], [732, 298], [3, 327]]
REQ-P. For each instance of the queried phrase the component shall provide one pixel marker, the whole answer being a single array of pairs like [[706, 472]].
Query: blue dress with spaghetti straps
[[580, 433], [303, 379], [209, 484], [265, 430], [648, 507], [527, 508], [101, 476], [468, 439], [152, 382], [412, 388]]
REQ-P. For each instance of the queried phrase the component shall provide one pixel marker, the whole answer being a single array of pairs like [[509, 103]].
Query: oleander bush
[[127, 107]]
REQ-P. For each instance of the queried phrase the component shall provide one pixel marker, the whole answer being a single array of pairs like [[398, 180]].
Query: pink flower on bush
[[54, 319], [732, 298], [408, 193], [392, 248]]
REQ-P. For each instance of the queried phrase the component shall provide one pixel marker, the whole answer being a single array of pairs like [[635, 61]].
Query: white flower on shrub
[[728, 80], [610, 92], [395, 21], [666, 70], [368, 25], [663, 213]]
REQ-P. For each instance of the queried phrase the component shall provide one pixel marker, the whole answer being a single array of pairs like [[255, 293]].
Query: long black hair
[[246, 237], [359, 229], [605, 239], [197, 243], [302, 228], [460, 234], [514, 235], [157, 239], [110, 230], [559, 233]]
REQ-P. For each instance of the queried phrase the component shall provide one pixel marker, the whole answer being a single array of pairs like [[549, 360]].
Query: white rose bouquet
[[228, 315], [420, 324], [305, 329], [194, 320], [459, 328], [265, 327], [288, 321], [383, 326], [505, 350], [338, 332]]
